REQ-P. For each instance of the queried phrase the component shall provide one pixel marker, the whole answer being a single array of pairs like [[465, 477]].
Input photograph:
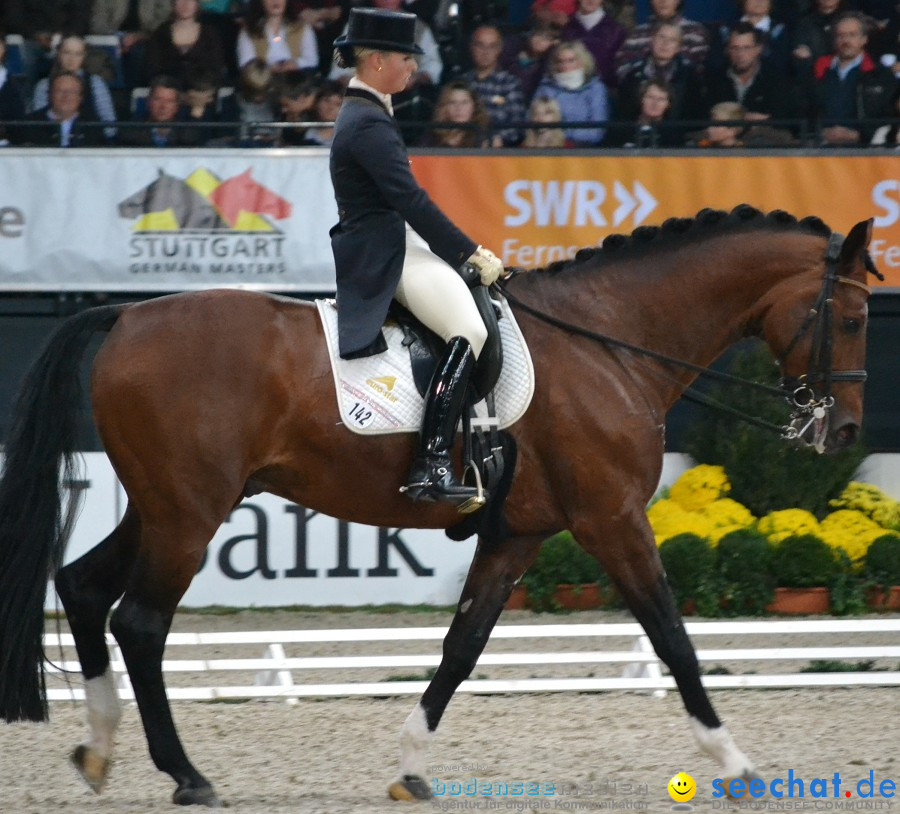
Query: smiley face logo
[[682, 787]]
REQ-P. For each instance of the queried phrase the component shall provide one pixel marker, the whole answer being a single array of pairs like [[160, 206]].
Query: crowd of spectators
[[530, 73]]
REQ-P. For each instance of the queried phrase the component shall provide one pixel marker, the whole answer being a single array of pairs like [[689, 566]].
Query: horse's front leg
[[494, 571], [626, 548]]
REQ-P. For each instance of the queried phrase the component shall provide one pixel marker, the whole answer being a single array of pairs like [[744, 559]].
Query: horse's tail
[[33, 525]]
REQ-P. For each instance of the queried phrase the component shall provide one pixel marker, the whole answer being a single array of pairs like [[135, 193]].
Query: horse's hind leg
[[493, 573], [635, 568], [88, 587], [167, 560]]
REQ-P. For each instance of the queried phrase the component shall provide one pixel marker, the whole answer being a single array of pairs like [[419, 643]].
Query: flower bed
[[698, 504]]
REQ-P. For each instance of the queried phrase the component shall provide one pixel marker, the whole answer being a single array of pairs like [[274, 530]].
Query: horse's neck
[[690, 304]]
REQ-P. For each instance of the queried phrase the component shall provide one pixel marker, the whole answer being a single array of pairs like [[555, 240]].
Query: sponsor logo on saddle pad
[[383, 386]]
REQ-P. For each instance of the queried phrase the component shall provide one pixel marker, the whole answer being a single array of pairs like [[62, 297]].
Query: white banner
[[166, 220], [273, 553]]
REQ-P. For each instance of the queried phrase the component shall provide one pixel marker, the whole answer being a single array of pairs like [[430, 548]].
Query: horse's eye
[[852, 326]]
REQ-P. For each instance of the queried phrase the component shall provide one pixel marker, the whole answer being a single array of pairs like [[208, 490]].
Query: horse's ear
[[853, 250]]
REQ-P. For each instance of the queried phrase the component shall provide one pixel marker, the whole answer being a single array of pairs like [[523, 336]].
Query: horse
[[204, 397]]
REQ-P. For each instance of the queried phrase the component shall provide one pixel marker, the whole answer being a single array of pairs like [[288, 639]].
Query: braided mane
[[702, 225]]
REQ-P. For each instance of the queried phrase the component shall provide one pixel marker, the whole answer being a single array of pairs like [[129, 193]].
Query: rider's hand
[[488, 265]]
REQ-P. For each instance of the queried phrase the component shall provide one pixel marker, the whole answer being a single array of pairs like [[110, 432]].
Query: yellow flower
[[872, 502], [668, 518], [780, 525], [726, 515], [850, 531], [700, 486]]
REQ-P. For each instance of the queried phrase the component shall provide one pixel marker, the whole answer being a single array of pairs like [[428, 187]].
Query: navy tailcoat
[[377, 195]]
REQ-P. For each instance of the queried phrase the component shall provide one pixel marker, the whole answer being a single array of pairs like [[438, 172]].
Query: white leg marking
[[720, 745], [103, 713], [414, 742], [465, 606]]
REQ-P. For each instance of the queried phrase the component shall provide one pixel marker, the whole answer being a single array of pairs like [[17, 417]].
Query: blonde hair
[[727, 111], [545, 136], [581, 54], [256, 79]]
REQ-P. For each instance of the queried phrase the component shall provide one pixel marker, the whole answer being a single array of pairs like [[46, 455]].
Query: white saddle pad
[[377, 394]]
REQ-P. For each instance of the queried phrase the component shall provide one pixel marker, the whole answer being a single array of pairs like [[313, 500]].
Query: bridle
[[808, 410]]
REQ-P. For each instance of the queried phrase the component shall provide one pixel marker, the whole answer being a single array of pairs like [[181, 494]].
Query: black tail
[[33, 526]]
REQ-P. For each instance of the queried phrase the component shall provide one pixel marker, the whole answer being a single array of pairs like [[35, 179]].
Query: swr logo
[[574, 203], [886, 196]]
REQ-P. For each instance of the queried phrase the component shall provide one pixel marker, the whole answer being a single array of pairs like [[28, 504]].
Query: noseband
[[807, 408]]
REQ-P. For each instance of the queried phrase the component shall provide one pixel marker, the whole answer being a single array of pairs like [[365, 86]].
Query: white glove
[[488, 265]]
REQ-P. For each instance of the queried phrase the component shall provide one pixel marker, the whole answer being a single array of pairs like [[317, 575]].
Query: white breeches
[[437, 295]]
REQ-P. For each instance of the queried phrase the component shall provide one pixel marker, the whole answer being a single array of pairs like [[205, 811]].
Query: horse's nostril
[[847, 435]]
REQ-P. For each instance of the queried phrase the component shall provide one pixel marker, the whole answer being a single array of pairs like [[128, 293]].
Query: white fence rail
[[275, 672]]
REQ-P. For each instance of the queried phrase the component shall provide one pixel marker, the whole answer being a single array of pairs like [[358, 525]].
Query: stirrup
[[428, 491]]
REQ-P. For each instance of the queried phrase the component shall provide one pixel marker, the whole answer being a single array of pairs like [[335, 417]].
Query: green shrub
[[882, 560], [765, 472], [804, 561], [744, 561], [690, 564], [560, 561]]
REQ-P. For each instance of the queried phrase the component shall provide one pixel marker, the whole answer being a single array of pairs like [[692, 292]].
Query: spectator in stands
[[525, 55], [134, 21], [545, 111], [694, 37], [325, 108], [274, 33], [500, 91], [888, 135], [12, 100], [649, 128], [600, 34], [553, 12], [758, 87], [183, 43], [200, 104], [722, 135], [98, 102], [850, 87], [255, 97], [580, 95], [327, 19], [663, 64], [64, 110], [458, 104], [814, 36], [41, 22], [162, 114], [775, 37], [296, 99]]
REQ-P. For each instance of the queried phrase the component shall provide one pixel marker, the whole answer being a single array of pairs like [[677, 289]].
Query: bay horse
[[204, 397]]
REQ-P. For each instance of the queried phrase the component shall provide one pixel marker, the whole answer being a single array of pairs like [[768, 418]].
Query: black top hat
[[381, 30]]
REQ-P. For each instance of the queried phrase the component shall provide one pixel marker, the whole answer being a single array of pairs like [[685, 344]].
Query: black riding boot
[[431, 477]]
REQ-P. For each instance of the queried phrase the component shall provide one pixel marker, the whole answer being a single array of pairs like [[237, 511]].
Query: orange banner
[[532, 210]]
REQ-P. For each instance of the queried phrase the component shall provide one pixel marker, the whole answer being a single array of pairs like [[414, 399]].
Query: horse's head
[[816, 327]]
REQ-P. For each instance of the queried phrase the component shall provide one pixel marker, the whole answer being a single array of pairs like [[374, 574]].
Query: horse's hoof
[[94, 770], [409, 788], [747, 775], [203, 796]]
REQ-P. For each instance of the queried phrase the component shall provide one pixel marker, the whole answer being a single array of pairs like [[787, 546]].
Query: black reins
[[797, 390]]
